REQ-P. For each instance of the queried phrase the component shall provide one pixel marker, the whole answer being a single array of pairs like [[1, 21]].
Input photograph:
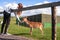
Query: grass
[[24, 31]]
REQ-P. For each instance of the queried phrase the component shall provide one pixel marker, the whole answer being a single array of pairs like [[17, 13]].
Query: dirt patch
[[13, 37]]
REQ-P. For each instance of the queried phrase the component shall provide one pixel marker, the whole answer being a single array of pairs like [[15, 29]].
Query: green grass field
[[24, 31]]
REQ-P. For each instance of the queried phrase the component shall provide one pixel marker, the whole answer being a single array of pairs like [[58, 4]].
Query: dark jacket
[[6, 14]]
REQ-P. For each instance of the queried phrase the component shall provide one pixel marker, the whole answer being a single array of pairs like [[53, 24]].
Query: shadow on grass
[[32, 36], [22, 34], [42, 38]]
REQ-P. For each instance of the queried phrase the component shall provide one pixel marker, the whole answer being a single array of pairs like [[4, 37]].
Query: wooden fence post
[[53, 9]]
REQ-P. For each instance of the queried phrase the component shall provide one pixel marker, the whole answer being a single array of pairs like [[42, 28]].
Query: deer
[[33, 25]]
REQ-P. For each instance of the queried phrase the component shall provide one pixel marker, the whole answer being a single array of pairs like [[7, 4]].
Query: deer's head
[[25, 19]]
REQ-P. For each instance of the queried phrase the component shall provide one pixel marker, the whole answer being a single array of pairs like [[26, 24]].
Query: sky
[[24, 2], [13, 4]]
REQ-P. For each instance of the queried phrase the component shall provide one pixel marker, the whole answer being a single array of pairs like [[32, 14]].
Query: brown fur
[[34, 25]]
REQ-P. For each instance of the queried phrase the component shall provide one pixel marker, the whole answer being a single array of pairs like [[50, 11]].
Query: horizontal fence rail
[[40, 6], [1, 12]]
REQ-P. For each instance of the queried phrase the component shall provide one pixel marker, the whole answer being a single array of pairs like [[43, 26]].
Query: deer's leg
[[41, 28], [31, 29]]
